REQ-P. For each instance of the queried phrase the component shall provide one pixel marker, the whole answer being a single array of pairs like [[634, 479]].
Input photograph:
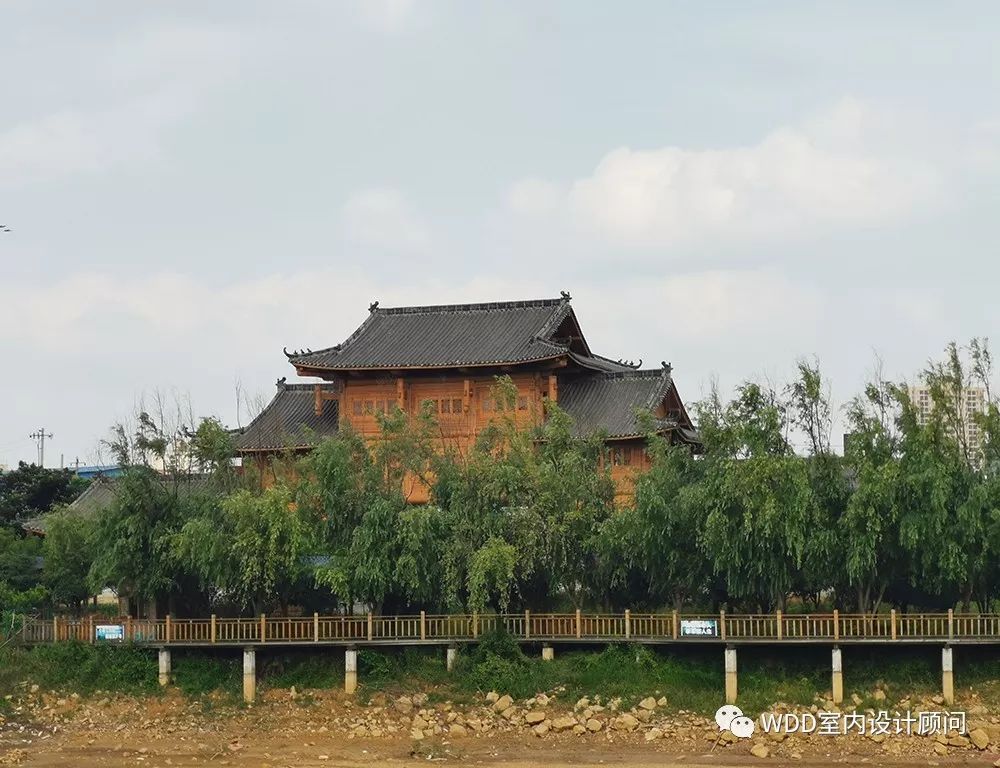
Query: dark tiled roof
[[451, 335], [607, 402], [289, 421], [102, 491]]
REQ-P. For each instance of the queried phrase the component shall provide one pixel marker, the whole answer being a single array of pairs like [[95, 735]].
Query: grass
[[691, 678]]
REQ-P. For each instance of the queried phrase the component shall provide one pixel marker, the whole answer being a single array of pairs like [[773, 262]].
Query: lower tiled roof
[[607, 402], [289, 421]]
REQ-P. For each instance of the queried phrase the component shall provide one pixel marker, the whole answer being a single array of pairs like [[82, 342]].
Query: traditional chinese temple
[[450, 356]]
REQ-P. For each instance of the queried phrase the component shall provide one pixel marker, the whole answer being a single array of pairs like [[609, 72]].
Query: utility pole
[[40, 437]]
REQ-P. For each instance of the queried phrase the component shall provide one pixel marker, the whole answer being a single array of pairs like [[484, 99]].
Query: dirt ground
[[327, 729]]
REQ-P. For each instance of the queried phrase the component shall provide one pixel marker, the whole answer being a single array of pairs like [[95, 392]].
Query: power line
[[40, 437]]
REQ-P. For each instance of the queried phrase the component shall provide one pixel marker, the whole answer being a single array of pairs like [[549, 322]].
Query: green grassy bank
[[690, 678]]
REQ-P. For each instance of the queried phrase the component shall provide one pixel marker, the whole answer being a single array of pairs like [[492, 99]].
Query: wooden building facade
[[449, 356]]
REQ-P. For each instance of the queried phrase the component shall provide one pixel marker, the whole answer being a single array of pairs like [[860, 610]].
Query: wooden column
[[475, 625], [401, 393], [675, 624], [263, 627], [213, 628], [579, 624], [423, 625], [947, 675], [55, 629], [836, 624], [164, 667], [722, 631], [318, 399], [90, 628], [628, 624], [249, 675], [371, 626], [128, 629], [892, 622], [527, 624], [951, 624], [781, 629], [553, 388], [315, 627], [167, 627], [350, 670]]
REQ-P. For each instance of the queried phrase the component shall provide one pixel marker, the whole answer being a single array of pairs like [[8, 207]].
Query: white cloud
[[144, 86], [834, 169], [384, 219], [388, 15]]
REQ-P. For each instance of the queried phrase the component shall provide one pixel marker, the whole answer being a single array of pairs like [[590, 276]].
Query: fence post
[[315, 627], [781, 630], [475, 625], [212, 628], [263, 627], [167, 628], [892, 622], [628, 624], [55, 629], [579, 624], [371, 626], [722, 624], [674, 624], [423, 625], [128, 628], [90, 627], [951, 624], [836, 624], [527, 624]]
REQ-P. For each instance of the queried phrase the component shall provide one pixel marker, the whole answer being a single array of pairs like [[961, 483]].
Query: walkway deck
[[423, 629]]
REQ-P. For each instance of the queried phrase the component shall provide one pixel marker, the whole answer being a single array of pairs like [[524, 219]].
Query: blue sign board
[[699, 627], [112, 632]]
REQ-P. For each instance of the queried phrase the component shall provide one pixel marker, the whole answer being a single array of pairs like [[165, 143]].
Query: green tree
[[30, 490], [68, 555]]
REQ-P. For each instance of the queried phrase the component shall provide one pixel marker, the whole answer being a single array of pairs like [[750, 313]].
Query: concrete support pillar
[[350, 670], [164, 666], [838, 676], [450, 657], [249, 675], [730, 675], [947, 675], [548, 652]]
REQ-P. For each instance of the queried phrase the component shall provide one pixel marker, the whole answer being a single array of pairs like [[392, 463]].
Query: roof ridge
[[483, 306], [635, 373]]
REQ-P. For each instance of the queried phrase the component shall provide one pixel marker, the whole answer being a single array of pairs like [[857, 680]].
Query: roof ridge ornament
[[280, 383], [373, 306], [565, 295]]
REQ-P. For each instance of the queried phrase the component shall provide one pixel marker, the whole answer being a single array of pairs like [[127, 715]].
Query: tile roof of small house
[[609, 402], [289, 421], [458, 335]]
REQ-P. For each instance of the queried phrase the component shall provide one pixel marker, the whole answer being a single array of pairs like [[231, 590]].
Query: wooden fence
[[543, 627]]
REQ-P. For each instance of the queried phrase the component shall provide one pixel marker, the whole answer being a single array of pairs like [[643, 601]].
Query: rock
[[419, 722], [959, 741], [644, 715], [403, 704], [996, 763], [579, 730], [419, 699], [502, 703], [941, 749], [541, 700], [293, 693], [34, 689], [980, 739], [457, 730], [492, 696], [416, 734], [541, 729], [796, 755], [879, 695], [856, 699], [648, 703], [653, 734], [662, 701], [626, 722], [759, 750], [509, 714], [582, 703], [533, 718], [563, 723], [594, 725], [938, 699]]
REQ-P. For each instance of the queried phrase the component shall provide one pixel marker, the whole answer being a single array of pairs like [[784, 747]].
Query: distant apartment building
[[973, 402]]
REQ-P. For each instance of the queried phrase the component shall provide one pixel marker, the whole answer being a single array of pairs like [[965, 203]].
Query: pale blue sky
[[724, 185]]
